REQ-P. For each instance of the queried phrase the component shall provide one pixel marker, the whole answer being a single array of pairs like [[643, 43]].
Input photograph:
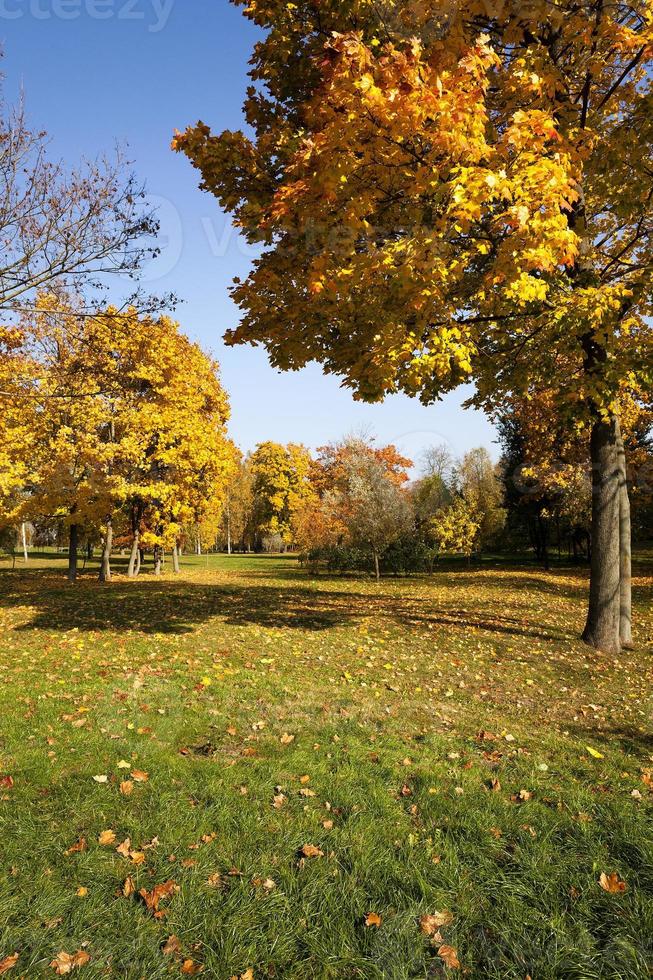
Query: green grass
[[406, 701]]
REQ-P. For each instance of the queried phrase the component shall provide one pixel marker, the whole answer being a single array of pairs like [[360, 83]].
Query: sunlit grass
[[446, 743]]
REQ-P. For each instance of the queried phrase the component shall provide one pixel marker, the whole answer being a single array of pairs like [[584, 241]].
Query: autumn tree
[[449, 195], [476, 480], [280, 486], [238, 514], [359, 498], [456, 528], [432, 491], [127, 425]]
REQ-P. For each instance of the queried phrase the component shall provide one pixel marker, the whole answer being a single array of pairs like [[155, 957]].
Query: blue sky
[[99, 71]]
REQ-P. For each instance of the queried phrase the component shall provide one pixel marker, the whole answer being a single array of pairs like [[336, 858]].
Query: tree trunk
[[158, 559], [377, 568], [107, 547], [136, 515], [134, 562], [625, 546], [23, 537], [228, 531], [198, 544], [602, 630], [175, 558], [73, 539], [544, 541], [139, 561]]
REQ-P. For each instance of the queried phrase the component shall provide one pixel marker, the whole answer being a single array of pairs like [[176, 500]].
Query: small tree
[[376, 511], [477, 481], [456, 529]]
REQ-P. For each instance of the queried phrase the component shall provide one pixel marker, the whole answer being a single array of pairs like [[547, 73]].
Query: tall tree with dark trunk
[[448, 194]]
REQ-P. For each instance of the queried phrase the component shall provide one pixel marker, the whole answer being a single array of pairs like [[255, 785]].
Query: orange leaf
[[8, 963], [612, 883], [429, 924], [450, 957], [372, 919], [159, 893], [190, 967]]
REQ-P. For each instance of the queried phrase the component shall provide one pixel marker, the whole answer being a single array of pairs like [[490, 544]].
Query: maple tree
[[449, 195]]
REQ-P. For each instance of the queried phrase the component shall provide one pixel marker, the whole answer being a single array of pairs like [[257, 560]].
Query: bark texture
[[73, 542], [625, 548], [602, 630]]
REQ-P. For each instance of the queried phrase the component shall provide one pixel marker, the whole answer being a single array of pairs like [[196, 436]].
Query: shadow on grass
[[626, 737], [162, 606]]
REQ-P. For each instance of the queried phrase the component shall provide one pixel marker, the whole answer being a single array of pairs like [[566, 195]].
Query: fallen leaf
[[65, 963], [287, 739], [310, 851], [76, 848], [126, 787], [450, 956], [372, 919], [612, 883], [158, 894], [8, 963], [6, 782], [190, 968], [128, 887], [172, 946], [101, 779], [106, 838], [139, 776], [429, 924], [124, 848], [594, 753], [82, 892]]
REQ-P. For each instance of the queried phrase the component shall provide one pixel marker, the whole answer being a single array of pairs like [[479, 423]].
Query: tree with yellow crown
[[455, 193]]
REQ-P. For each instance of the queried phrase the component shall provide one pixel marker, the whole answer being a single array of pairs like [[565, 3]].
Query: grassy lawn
[[295, 754]]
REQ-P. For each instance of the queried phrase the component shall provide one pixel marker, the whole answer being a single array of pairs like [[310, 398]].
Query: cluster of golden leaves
[[110, 409], [448, 194]]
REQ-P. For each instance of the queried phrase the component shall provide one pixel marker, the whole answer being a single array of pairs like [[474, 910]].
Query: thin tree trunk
[[23, 538], [625, 547], [175, 558], [377, 568], [602, 630], [107, 547], [158, 559], [139, 560], [134, 562], [136, 515], [228, 530], [544, 542], [73, 540]]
